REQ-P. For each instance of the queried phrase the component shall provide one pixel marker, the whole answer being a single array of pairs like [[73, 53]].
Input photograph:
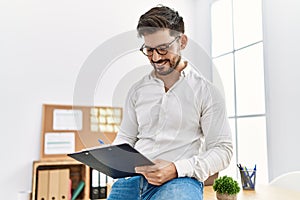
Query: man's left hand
[[159, 173]]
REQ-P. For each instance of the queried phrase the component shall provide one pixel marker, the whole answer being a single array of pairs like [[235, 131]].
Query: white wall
[[43, 45], [281, 21]]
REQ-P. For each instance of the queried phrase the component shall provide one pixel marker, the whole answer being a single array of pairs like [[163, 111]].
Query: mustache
[[161, 61]]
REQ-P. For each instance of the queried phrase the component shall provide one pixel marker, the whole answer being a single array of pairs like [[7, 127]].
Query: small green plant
[[226, 185]]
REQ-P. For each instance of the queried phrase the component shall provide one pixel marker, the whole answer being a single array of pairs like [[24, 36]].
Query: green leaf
[[226, 185]]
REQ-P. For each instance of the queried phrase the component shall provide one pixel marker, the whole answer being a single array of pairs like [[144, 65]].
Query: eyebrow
[[165, 44]]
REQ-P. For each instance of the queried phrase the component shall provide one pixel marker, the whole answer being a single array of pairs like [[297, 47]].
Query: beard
[[172, 65]]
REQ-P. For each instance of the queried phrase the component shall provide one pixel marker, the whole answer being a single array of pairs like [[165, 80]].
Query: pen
[[101, 141], [239, 166], [248, 177], [254, 171], [243, 175]]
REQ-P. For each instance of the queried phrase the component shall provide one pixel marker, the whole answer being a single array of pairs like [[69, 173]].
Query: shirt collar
[[186, 70]]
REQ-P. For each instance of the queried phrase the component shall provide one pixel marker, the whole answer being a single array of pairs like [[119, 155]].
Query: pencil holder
[[248, 177]]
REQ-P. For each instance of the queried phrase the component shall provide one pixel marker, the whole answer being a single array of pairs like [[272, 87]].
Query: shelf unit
[[78, 172]]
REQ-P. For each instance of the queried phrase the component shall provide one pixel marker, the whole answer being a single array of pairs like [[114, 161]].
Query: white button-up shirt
[[186, 125]]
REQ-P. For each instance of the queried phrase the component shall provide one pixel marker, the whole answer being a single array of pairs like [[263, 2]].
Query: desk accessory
[[226, 188]]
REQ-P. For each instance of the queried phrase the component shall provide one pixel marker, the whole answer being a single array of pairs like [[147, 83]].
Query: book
[[116, 161]]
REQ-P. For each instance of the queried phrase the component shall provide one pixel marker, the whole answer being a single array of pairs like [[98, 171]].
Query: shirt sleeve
[[129, 127], [217, 139]]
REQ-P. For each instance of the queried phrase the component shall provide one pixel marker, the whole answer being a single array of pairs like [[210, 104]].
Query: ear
[[183, 41]]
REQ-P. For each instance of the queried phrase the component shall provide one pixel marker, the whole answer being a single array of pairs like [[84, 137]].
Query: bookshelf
[[77, 172]]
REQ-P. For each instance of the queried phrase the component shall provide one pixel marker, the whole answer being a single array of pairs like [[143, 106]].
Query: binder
[[64, 184], [116, 161], [98, 187], [42, 187], [53, 191], [103, 186], [94, 186]]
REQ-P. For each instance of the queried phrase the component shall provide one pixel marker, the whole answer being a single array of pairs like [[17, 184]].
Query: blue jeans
[[137, 188]]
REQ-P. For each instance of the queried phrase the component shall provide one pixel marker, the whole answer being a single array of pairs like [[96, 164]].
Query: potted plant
[[226, 188]]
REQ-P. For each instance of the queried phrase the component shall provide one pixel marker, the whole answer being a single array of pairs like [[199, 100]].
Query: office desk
[[261, 192]]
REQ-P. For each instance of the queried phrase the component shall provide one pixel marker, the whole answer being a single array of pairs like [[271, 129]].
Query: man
[[174, 116]]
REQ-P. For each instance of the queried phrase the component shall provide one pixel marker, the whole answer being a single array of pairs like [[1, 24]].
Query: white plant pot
[[226, 196]]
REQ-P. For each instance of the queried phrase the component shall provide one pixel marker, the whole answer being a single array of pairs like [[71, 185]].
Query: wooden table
[[261, 192]]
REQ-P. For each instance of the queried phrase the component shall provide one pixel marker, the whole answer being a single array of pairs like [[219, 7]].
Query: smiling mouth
[[160, 64], [160, 61]]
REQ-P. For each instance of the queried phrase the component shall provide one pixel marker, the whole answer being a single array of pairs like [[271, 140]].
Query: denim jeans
[[137, 188]]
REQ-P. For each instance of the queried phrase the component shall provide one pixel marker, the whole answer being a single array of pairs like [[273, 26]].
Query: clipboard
[[116, 161]]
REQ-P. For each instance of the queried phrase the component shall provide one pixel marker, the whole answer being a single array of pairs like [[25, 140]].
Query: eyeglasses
[[161, 49]]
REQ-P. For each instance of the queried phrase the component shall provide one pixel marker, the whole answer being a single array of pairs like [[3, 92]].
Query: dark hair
[[160, 17]]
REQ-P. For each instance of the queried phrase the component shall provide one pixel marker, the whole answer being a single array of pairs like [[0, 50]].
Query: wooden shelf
[[78, 172]]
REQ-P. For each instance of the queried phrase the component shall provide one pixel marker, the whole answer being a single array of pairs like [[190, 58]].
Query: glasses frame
[[166, 47]]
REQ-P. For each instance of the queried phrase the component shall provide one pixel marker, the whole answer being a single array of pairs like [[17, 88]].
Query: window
[[237, 51]]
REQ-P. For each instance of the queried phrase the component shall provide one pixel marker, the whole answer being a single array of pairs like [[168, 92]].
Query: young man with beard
[[174, 116]]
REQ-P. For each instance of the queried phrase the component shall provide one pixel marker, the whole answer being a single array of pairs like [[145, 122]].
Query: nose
[[156, 56]]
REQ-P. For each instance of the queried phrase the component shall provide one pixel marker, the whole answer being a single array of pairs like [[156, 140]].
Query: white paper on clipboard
[[67, 119], [59, 143]]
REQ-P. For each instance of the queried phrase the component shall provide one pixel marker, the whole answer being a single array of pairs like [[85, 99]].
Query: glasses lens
[[147, 51], [162, 51]]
